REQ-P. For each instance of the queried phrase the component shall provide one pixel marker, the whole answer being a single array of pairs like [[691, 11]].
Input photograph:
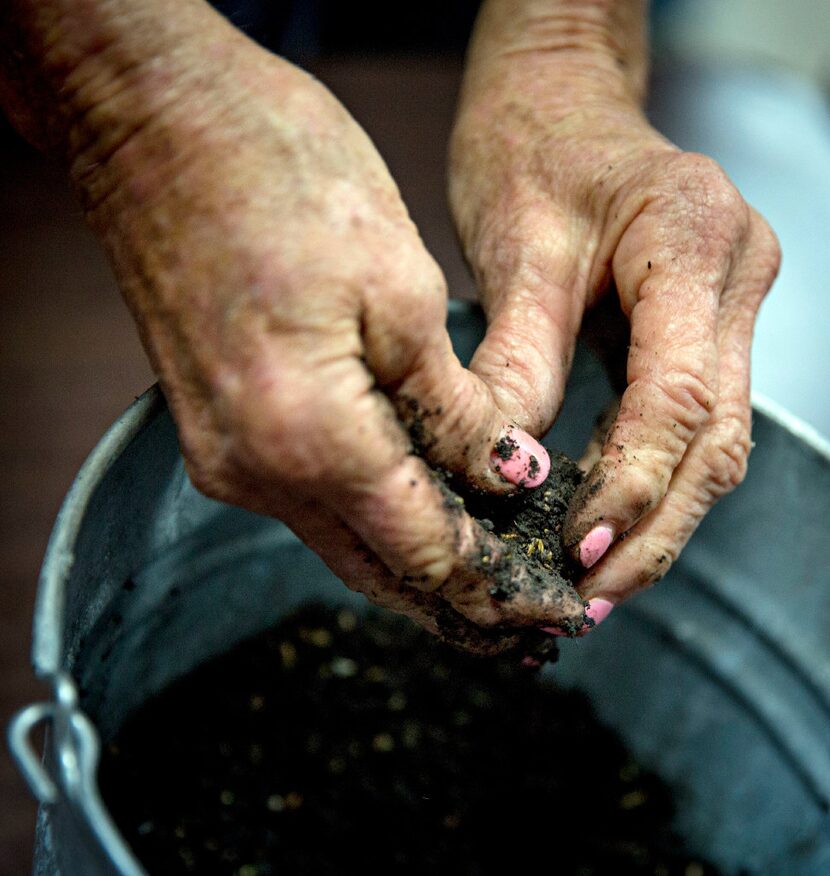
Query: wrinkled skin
[[564, 202], [296, 321], [289, 307]]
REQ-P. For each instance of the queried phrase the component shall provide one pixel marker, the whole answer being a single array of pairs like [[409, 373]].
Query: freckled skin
[[284, 297], [565, 198], [291, 311]]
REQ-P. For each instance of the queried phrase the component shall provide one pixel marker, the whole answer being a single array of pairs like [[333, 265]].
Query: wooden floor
[[70, 361]]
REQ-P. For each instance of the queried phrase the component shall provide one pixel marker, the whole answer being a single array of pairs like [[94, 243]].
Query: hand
[[296, 323], [566, 198]]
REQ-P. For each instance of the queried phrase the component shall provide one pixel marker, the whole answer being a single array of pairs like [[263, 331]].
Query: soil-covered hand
[[569, 204], [294, 317]]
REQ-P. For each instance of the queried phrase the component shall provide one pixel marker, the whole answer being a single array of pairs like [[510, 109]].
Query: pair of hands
[[297, 323]]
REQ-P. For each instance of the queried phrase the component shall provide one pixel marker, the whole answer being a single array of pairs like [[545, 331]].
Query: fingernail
[[520, 459], [597, 609], [595, 544], [530, 663]]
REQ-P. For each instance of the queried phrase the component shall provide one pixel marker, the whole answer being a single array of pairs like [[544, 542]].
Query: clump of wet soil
[[529, 524], [530, 521], [339, 743]]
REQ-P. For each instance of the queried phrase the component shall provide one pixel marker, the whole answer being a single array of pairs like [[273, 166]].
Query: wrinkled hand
[[566, 198], [297, 324]]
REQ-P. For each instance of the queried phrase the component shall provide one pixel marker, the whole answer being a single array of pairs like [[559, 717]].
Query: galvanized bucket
[[718, 679]]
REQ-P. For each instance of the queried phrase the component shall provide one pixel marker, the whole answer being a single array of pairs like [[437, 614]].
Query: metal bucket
[[718, 679]]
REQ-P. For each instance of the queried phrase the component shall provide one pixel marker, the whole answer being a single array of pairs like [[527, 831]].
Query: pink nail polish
[[595, 544], [598, 609], [520, 458], [530, 663]]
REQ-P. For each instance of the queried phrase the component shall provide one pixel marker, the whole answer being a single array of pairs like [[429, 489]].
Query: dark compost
[[340, 742]]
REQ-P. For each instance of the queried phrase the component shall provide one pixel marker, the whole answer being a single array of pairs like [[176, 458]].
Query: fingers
[[714, 464], [348, 453], [421, 533], [360, 570], [670, 273], [455, 422], [424, 536], [716, 460], [525, 357]]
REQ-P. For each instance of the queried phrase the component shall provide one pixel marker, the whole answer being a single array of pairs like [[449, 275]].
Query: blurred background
[[746, 82]]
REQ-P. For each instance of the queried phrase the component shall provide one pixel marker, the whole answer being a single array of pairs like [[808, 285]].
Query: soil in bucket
[[339, 743]]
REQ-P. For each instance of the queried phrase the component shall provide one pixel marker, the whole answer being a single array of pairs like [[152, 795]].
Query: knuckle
[[702, 177], [430, 299], [768, 249], [424, 300], [727, 456], [463, 400], [523, 358], [767, 238], [718, 206], [208, 476], [407, 317], [528, 391], [657, 557], [205, 462], [478, 612], [643, 487], [687, 395], [426, 567]]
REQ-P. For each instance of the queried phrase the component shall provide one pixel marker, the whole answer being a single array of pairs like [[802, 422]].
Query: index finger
[[670, 283]]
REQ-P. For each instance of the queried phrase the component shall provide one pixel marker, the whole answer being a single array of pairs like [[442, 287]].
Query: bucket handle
[[26, 757], [77, 760]]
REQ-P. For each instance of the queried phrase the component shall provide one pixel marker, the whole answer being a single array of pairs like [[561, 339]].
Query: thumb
[[527, 282], [452, 414]]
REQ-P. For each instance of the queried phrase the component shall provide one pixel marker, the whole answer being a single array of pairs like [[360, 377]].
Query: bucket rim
[[47, 638]]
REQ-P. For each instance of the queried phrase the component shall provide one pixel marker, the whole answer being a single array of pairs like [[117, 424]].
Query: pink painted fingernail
[[520, 458], [597, 609], [595, 544], [530, 662]]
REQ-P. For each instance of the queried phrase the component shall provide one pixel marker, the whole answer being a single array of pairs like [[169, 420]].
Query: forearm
[[81, 78], [62, 58]]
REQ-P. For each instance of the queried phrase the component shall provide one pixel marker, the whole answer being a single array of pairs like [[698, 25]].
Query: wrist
[[550, 104], [560, 51]]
